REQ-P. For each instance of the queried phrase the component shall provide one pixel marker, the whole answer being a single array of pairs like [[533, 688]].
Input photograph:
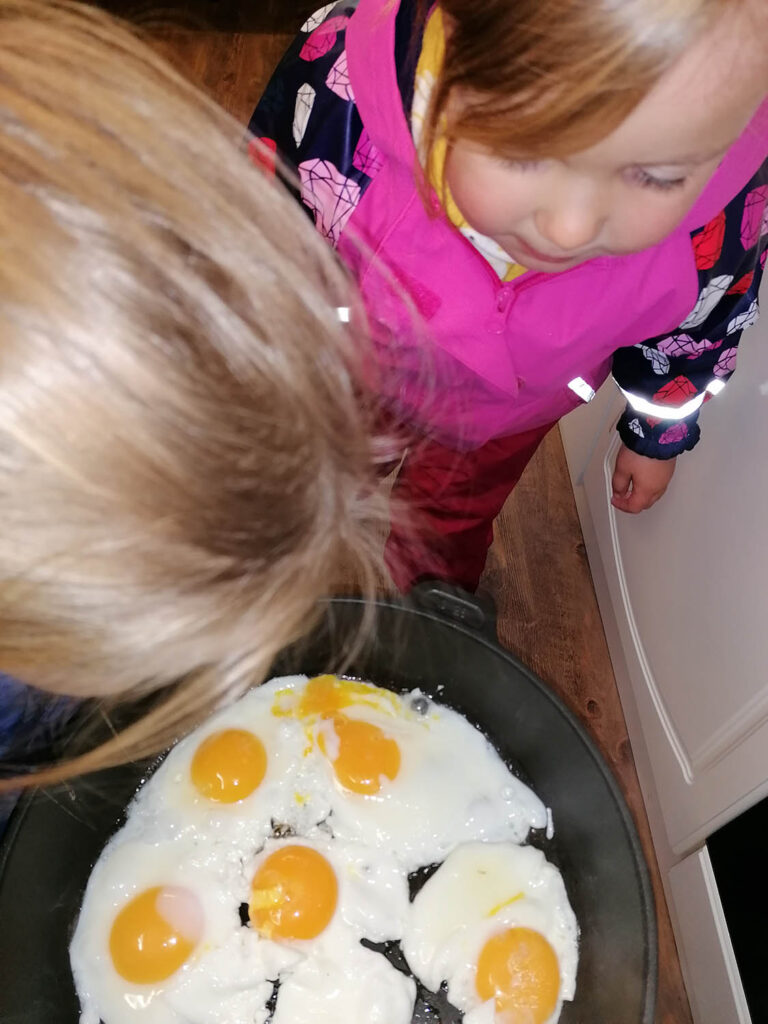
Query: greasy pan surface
[[53, 841]]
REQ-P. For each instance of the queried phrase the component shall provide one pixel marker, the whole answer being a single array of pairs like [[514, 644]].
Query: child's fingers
[[637, 501], [621, 482], [625, 503]]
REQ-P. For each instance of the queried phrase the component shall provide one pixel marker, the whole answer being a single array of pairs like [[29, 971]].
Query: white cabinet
[[683, 589], [714, 987]]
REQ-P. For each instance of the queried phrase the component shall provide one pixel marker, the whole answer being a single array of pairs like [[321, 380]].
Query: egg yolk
[[155, 934], [229, 765], [366, 754], [324, 696], [293, 894], [519, 969]]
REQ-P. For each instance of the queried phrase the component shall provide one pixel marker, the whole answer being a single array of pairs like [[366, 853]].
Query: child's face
[[634, 187]]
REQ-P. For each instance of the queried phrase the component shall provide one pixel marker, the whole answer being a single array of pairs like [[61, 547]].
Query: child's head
[[184, 464], [581, 128]]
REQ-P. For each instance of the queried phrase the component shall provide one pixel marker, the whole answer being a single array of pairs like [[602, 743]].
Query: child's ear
[[449, 25], [458, 101]]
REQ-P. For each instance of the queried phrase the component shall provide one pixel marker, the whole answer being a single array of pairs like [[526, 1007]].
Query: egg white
[[360, 987], [232, 984], [480, 890]]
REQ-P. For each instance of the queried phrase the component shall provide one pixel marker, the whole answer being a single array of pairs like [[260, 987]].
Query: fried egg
[[231, 779], [388, 768], [359, 988], [322, 895], [159, 926], [495, 924]]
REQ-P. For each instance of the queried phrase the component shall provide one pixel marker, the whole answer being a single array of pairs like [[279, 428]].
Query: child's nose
[[571, 225]]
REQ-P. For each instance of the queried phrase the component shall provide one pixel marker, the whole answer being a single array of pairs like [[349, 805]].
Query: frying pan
[[444, 643]]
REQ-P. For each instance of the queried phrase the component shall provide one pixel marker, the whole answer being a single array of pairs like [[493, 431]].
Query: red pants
[[449, 501]]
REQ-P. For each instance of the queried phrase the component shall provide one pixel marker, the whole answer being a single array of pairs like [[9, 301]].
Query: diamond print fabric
[[330, 194]]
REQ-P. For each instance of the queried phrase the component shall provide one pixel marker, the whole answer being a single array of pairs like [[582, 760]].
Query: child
[[562, 188], [185, 456]]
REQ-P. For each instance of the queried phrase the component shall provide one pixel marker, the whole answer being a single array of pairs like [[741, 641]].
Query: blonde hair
[[185, 453], [545, 78]]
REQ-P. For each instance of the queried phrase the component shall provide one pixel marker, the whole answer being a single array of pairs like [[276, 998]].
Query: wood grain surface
[[538, 572], [539, 577]]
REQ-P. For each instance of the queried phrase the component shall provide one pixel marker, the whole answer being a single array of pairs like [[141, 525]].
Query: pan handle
[[456, 605]]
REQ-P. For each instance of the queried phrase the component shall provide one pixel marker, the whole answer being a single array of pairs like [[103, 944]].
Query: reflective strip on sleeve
[[580, 387], [671, 412]]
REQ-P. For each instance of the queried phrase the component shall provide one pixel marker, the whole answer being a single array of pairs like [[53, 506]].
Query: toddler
[[562, 189]]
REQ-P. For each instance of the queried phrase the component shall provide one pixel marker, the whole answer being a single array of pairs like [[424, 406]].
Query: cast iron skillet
[[447, 648]]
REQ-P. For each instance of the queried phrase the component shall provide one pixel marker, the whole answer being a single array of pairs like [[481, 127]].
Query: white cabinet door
[[711, 973], [688, 585]]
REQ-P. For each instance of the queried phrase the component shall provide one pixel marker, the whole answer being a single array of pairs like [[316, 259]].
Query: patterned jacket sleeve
[[308, 116], [667, 379], [284, 107]]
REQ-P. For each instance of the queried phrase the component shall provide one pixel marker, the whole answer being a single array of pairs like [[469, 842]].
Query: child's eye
[[645, 179], [521, 165]]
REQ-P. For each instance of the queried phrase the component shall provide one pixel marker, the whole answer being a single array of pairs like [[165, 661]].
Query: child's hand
[[638, 482]]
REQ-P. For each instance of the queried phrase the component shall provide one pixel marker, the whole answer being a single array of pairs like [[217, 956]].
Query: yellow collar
[[428, 69]]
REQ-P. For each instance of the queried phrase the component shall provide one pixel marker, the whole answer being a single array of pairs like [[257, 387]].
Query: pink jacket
[[506, 357]]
